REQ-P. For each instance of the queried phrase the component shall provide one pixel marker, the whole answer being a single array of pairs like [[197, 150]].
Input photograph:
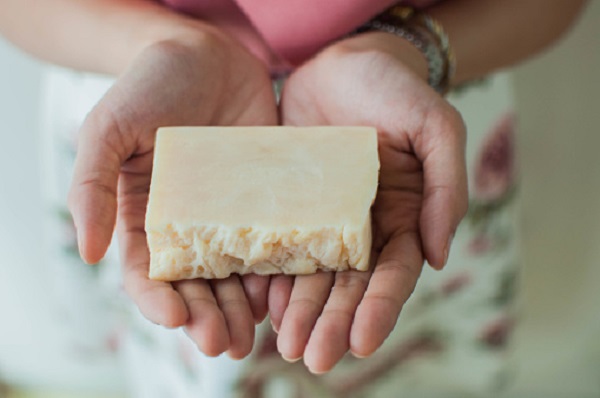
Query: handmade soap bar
[[262, 200]]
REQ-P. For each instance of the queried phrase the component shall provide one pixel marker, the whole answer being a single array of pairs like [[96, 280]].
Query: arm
[[487, 35], [95, 35]]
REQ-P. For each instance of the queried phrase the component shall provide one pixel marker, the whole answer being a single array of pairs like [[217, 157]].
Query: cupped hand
[[206, 79], [376, 81]]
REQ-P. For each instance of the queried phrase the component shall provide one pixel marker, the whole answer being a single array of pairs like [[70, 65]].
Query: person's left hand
[[373, 80]]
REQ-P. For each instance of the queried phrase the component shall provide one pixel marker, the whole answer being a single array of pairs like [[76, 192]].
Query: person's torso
[[286, 32]]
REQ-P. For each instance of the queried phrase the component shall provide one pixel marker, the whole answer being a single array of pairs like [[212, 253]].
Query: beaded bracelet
[[426, 34]]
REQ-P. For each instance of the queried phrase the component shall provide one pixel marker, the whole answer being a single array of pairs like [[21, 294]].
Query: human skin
[[376, 79], [379, 79], [172, 70]]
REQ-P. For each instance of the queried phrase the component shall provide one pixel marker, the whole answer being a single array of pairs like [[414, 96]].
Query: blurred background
[[556, 349]]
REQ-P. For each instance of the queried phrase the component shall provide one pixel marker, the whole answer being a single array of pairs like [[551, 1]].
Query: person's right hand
[[207, 79]]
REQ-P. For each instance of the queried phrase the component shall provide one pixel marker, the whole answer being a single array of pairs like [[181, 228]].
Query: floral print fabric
[[452, 336]]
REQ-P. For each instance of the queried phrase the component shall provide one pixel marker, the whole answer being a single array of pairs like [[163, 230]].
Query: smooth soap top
[[272, 177]]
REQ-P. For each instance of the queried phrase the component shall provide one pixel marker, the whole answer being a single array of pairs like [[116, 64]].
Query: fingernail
[[233, 357], [80, 242], [275, 329], [290, 360], [316, 372], [447, 249], [359, 356]]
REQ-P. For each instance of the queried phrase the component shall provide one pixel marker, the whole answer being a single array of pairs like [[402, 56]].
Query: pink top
[[286, 32]]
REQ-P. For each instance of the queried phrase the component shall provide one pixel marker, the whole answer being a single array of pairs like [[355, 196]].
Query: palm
[[169, 85], [341, 88], [397, 208]]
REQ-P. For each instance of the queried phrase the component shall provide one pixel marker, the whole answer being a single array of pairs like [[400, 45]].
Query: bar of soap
[[263, 200]]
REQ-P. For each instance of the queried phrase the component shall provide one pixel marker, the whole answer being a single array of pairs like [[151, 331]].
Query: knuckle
[[445, 119], [98, 180], [386, 300], [398, 266], [305, 303], [109, 124], [233, 303], [199, 301], [349, 280], [405, 272], [344, 313]]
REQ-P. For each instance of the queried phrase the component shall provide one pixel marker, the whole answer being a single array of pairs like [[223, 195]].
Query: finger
[[445, 201], [156, 300], [394, 278], [306, 303], [280, 291], [330, 339], [234, 305], [93, 194], [206, 325], [257, 292]]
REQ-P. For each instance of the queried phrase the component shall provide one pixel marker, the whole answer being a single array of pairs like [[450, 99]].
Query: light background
[[558, 344]]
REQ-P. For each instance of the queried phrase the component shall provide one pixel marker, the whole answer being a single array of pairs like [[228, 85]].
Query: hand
[[422, 196], [202, 80]]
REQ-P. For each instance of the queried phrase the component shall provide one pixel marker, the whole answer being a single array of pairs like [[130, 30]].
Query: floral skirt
[[452, 336]]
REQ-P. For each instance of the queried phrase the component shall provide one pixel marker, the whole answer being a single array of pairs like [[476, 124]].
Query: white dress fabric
[[452, 336]]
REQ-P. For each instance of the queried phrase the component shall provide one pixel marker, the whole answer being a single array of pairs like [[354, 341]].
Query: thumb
[[93, 194], [442, 151]]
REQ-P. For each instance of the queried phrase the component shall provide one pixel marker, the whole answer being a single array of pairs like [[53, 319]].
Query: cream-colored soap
[[262, 200]]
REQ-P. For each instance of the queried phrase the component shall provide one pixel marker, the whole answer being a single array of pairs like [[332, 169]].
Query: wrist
[[397, 47], [406, 53], [424, 33]]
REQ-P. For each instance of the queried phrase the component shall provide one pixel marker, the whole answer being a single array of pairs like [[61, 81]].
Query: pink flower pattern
[[495, 167]]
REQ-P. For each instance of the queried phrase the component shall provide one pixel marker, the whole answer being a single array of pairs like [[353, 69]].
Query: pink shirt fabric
[[286, 32]]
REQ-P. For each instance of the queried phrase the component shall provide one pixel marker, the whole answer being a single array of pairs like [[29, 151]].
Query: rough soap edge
[[359, 260]]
